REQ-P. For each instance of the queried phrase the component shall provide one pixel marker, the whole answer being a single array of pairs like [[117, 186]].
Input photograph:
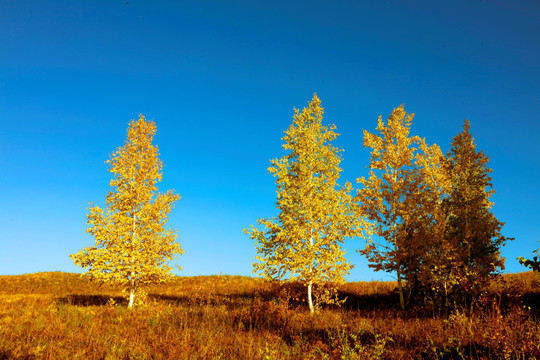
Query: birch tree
[[132, 244], [315, 215], [436, 257], [401, 195]]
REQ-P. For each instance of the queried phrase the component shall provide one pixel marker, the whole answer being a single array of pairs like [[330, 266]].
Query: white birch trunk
[[131, 297], [131, 281], [310, 300]]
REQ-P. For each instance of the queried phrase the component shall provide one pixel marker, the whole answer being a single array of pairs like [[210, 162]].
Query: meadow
[[59, 315]]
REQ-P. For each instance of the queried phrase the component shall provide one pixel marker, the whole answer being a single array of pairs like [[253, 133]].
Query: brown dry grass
[[61, 316]]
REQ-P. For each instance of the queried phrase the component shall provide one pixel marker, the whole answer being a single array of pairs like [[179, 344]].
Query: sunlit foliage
[[132, 245], [402, 195], [315, 214]]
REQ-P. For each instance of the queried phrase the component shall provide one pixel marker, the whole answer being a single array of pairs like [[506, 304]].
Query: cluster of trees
[[431, 214]]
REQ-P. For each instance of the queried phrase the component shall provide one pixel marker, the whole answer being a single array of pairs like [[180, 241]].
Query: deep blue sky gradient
[[221, 79]]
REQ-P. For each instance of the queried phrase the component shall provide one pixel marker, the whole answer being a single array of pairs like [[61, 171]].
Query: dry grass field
[[63, 316]]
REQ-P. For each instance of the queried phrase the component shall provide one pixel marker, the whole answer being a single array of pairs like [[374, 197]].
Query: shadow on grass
[[230, 300], [532, 300], [5, 355], [173, 299], [369, 302], [91, 300], [354, 302], [294, 295]]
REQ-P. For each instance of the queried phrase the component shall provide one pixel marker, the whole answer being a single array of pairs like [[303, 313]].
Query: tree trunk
[[310, 301], [398, 271], [131, 297], [131, 294], [400, 288], [131, 281], [445, 295]]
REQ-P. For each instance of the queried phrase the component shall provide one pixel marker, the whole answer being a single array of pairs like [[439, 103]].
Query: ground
[[63, 316]]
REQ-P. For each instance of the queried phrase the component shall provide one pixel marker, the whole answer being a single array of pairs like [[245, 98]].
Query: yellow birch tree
[[401, 195], [315, 214], [132, 244], [423, 237]]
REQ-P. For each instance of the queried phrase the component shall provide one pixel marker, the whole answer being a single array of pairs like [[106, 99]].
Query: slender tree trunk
[[131, 280], [445, 295], [394, 235], [398, 271], [400, 288], [131, 294], [133, 238], [310, 300]]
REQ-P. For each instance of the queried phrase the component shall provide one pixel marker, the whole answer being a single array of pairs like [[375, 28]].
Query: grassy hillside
[[62, 316]]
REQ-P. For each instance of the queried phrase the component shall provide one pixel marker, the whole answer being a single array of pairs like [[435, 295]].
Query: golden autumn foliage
[[315, 214], [437, 233], [132, 244], [432, 214], [402, 195]]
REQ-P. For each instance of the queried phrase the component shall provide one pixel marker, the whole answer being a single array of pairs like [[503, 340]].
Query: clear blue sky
[[220, 79]]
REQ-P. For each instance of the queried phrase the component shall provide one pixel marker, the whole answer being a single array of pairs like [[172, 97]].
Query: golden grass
[[63, 316]]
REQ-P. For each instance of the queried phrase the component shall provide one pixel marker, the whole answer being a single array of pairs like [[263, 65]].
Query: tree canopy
[[315, 213], [132, 244]]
